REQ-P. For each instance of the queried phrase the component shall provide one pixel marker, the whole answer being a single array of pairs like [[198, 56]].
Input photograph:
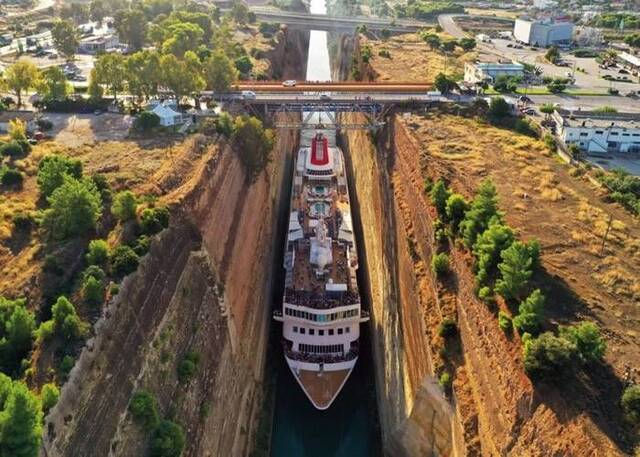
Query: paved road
[[324, 22], [448, 24], [338, 87]]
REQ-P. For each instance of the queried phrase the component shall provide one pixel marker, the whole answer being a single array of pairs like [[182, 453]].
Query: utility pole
[[606, 234]]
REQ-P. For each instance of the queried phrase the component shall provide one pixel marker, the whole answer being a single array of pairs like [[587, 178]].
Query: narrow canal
[[349, 428]]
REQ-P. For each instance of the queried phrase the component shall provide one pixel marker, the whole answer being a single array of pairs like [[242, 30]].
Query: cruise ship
[[321, 310]]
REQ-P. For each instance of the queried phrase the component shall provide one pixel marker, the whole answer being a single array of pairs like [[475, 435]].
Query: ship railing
[[321, 358], [320, 301]]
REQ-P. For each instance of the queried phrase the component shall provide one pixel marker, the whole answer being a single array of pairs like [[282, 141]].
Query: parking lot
[[589, 81]]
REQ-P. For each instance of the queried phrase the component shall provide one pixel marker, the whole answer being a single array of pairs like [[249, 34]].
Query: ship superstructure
[[321, 312]]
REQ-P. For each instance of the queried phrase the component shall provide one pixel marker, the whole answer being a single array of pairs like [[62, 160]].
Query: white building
[[629, 61], [96, 44], [546, 32], [477, 73], [168, 116], [600, 133]]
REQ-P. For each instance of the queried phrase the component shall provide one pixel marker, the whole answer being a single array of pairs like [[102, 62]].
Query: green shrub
[[67, 323], [188, 367], [141, 245], [49, 395], [488, 247], [146, 121], [153, 220], [168, 440], [124, 206], [12, 149], [440, 264], [445, 381], [586, 337], [17, 325], [23, 222], [123, 261], [75, 208], [46, 330], [524, 127], [98, 253], [144, 409], [551, 142], [505, 322], [66, 365], [439, 195], [456, 208], [448, 328], [499, 108], [530, 313], [53, 169], [11, 177], [486, 295], [631, 404], [93, 291], [516, 269], [548, 357], [484, 208]]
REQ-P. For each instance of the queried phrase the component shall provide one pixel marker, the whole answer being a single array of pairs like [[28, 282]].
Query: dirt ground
[[544, 199], [74, 130], [412, 60]]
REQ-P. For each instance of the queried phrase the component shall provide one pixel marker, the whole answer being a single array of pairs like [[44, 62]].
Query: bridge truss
[[324, 115]]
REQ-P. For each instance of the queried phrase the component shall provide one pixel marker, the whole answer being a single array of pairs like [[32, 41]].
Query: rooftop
[[598, 119]]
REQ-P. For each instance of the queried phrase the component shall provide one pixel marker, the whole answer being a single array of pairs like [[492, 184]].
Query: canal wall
[[205, 287], [415, 417]]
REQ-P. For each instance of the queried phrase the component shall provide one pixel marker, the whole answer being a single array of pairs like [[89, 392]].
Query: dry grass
[[413, 61], [567, 214]]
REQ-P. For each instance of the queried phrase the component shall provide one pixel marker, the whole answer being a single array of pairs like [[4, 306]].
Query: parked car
[[632, 94], [622, 71], [289, 83], [248, 95], [325, 97], [529, 111]]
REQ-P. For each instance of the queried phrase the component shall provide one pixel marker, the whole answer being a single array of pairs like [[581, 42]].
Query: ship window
[[295, 329], [312, 331], [302, 330], [347, 329], [321, 332], [330, 331], [339, 331]]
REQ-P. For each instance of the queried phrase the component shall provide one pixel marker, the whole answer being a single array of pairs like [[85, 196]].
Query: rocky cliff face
[[204, 287], [494, 409], [288, 58], [415, 418]]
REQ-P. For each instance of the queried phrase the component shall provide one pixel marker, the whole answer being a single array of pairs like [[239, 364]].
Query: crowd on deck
[[316, 300]]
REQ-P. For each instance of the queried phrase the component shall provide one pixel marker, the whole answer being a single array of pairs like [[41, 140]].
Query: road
[[364, 88], [448, 24], [41, 6], [330, 23]]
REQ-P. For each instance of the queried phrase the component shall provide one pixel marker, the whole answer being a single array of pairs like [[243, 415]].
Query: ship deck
[[322, 387]]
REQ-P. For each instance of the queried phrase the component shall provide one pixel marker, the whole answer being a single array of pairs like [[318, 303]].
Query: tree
[[54, 84], [111, 71], [484, 207], [515, 269], [93, 291], [530, 313], [182, 37], [633, 40], [547, 109], [557, 85], [505, 84], [20, 77], [168, 440], [124, 205], [75, 208], [444, 84], [143, 73], [456, 208], [240, 12], [586, 337], [123, 261], [253, 143], [220, 72], [448, 46], [243, 64], [65, 38], [153, 220], [95, 90], [52, 170], [98, 252], [499, 107], [488, 247], [132, 27], [17, 130], [467, 44], [439, 195], [182, 77], [553, 55], [20, 421], [146, 121], [440, 264], [66, 321], [144, 409], [10, 177], [49, 395], [432, 40], [16, 333], [548, 357], [631, 404], [98, 10]]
